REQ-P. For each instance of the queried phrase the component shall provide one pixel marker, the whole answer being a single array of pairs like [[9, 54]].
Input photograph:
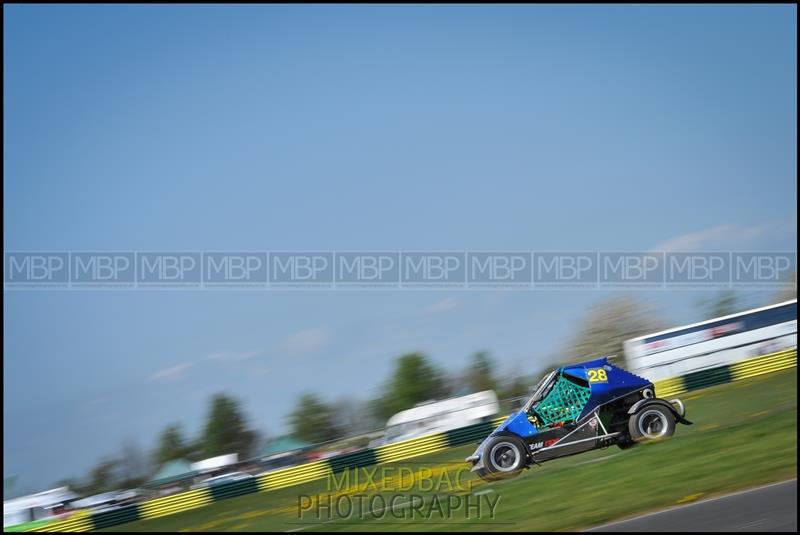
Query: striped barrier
[[104, 519], [400, 451], [727, 373], [669, 387], [407, 449], [766, 364], [78, 521], [295, 475], [176, 503]]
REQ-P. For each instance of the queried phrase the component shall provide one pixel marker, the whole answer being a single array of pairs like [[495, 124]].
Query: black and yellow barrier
[[78, 521], [104, 519], [399, 451], [766, 364], [727, 373], [175, 503], [295, 475]]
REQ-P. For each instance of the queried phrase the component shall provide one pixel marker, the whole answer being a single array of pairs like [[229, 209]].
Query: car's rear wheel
[[651, 423], [504, 456]]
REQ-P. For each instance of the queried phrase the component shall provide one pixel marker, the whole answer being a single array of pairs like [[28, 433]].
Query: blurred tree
[[195, 449], [226, 429], [103, 477], [608, 324], [480, 374], [787, 292], [133, 467], [10, 487], [414, 380], [354, 415], [171, 445], [313, 421], [75, 485], [455, 384], [724, 303], [515, 387]]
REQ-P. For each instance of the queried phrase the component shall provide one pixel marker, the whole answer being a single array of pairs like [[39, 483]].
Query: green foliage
[[171, 445], [480, 374], [226, 429], [314, 421], [102, 478], [789, 291], [354, 416], [133, 466], [517, 386], [725, 303], [413, 381]]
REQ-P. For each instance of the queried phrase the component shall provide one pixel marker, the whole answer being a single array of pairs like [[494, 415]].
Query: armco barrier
[[295, 475]]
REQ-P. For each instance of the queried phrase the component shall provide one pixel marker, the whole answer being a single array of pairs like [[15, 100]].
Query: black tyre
[[504, 456], [625, 444], [485, 475], [651, 423]]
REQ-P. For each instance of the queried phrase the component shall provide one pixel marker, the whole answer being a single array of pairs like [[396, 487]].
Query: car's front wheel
[[651, 423], [485, 475], [504, 456]]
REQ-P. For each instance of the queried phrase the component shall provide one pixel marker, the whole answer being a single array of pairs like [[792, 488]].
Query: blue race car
[[577, 408]]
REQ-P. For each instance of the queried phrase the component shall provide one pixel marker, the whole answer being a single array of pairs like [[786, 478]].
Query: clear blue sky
[[344, 127]]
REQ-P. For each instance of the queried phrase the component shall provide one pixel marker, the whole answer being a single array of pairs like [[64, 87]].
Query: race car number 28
[[597, 375]]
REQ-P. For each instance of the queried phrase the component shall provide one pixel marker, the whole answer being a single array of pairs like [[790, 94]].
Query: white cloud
[[171, 373], [227, 356], [306, 341], [443, 305], [728, 237]]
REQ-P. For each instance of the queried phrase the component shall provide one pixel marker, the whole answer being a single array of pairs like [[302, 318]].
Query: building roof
[[282, 445], [171, 472], [42, 499]]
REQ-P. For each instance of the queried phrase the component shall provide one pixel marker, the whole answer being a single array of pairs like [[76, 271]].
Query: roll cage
[[559, 397]]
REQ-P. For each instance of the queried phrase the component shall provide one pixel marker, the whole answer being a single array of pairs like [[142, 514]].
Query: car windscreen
[[542, 388]]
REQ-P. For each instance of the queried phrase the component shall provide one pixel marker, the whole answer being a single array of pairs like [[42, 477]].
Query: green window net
[[564, 403]]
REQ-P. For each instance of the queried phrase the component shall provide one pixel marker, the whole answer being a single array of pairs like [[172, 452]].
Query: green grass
[[27, 526], [744, 434]]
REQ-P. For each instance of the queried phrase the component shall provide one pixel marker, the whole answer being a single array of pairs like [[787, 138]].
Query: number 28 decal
[[597, 375]]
